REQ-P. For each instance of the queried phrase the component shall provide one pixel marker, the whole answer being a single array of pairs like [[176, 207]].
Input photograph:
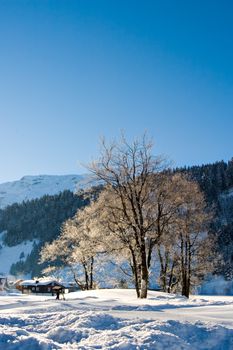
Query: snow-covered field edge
[[115, 319]]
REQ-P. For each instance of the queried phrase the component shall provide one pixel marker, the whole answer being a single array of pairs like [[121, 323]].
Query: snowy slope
[[115, 319], [11, 255], [31, 187]]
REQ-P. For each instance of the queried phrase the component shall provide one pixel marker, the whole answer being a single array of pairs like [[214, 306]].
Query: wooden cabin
[[44, 287]]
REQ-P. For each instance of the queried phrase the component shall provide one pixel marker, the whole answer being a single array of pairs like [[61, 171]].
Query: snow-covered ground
[[115, 319]]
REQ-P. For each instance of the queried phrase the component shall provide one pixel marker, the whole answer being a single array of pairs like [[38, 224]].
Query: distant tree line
[[213, 179], [38, 218]]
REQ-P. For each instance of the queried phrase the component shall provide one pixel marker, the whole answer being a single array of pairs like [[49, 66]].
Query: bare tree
[[128, 172], [115, 236], [195, 244], [141, 206], [75, 245]]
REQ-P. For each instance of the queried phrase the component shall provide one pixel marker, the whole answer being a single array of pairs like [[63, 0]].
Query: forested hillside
[[216, 181], [39, 219]]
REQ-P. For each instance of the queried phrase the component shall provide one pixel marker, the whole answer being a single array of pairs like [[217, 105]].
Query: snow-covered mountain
[[31, 187]]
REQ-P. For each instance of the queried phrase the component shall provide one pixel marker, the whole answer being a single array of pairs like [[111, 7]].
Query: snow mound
[[88, 332]]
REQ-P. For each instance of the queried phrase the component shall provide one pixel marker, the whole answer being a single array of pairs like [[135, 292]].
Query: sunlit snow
[[31, 187], [115, 319]]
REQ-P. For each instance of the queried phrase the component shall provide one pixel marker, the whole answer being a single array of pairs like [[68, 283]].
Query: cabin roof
[[36, 283]]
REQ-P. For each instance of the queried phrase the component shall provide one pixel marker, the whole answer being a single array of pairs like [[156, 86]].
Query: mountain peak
[[35, 186]]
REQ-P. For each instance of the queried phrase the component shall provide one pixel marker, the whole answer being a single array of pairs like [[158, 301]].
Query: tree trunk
[[189, 269], [164, 260], [86, 277], [150, 249], [144, 276], [91, 272], [184, 291], [185, 269], [134, 268], [169, 289]]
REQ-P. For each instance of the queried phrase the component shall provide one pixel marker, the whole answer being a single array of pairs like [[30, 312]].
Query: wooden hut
[[44, 287]]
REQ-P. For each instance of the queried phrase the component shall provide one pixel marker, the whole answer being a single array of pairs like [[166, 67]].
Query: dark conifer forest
[[216, 181]]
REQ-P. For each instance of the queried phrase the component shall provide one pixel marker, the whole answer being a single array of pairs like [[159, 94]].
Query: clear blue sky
[[73, 70]]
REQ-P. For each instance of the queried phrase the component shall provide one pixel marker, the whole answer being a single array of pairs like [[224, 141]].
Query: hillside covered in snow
[[31, 187]]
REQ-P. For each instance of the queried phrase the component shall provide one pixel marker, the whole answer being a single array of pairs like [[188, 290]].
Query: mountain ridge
[[35, 186]]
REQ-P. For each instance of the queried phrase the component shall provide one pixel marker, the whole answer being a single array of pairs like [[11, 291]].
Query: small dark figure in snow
[[57, 295]]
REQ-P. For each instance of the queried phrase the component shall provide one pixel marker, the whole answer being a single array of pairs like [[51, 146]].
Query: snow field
[[115, 319]]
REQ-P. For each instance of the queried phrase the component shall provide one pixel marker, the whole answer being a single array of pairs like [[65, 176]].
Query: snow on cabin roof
[[39, 283]]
